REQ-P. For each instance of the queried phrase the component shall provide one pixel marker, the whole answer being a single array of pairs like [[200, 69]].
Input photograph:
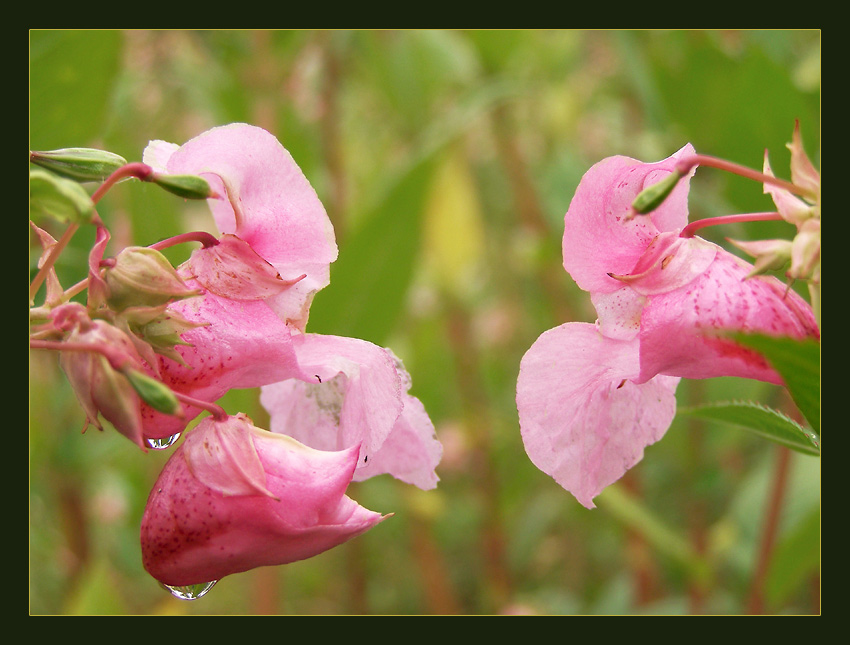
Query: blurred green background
[[446, 160]]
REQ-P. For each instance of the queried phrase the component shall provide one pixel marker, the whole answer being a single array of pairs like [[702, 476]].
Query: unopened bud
[[153, 392], [79, 164], [805, 253], [59, 198], [143, 276], [651, 198], [185, 186], [159, 327], [100, 389], [770, 255]]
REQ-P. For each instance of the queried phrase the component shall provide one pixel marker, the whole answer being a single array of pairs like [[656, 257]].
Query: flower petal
[[681, 330], [267, 202], [582, 421], [192, 533], [599, 239], [241, 344], [357, 396]]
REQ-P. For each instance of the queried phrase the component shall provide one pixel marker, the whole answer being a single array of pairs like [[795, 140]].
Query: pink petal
[[193, 533], [598, 239], [582, 421], [411, 451], [669, 262], [232, 269], [242, 345], [267, 202], [680, 329], [357, 397]]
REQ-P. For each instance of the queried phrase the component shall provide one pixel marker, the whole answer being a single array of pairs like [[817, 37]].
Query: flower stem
[[207, 239], [696, 225], [685, 164], [50, 260], [770, 531], [136, 169]]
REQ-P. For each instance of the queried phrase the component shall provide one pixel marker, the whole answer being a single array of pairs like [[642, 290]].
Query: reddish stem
[[50, 260], [686, 163], [207, 239], [694, 226], [136, 169], [770, 531]]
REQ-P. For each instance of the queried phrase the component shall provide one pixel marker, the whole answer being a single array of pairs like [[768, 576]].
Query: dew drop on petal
[[163, 442], [189, 592]]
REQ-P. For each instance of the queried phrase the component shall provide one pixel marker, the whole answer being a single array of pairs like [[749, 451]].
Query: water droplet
[[163, 443], [189, 592]]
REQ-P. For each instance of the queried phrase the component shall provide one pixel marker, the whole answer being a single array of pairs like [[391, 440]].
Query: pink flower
[[590, 399], [264, 200], [258, 281], [328, 392], [356, 396], [234, 497]]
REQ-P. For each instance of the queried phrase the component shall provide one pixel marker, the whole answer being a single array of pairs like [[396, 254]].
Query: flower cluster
[[156, 346], [591, 397]]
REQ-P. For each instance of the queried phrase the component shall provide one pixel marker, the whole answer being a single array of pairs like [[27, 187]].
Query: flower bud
[[160, 328], [770, 255], [142, 276], [59, 198], [100, 389], [234, 497], [651, 198], [153, 392], [185, 186], [805, 253], [79, 164]]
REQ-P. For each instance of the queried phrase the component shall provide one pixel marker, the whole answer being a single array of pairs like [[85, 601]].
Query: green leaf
[[798, 362], [760, 420], [370, 280]]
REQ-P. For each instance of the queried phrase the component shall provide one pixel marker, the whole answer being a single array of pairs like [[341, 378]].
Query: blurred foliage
[[446, 160]]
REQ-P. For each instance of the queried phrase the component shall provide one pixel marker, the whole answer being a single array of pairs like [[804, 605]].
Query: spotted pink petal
[[680, 331], [242, 344], [583, 422], [200, 524], [598, 237]]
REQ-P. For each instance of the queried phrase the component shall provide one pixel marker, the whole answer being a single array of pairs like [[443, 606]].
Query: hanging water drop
[[163, 442], [189, 592]]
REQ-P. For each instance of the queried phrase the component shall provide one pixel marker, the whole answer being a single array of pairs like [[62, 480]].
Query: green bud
[[651, 198], [186, 186], [143, 277], [79, 164], [770, 255], [59, 198], [155, 393]]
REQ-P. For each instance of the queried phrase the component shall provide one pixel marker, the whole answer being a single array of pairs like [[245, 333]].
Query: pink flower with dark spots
[[592, 397], [234, 497]]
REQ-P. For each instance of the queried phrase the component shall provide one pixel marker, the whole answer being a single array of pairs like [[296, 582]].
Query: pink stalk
[[136, 169], [207, 239], [51, 259], [696, 225], [685, 164]]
